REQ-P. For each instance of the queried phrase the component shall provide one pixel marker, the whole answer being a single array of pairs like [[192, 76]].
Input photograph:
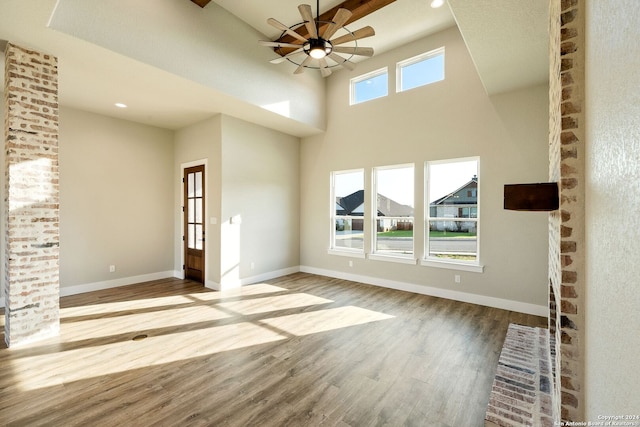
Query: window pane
[[394, 188], [191, 236], [348, 201], [424, 72], [349, 233], [394, 236], [198, 184], [453, 240], [368, 87], [191, 211], [198, 211], [453, 210], [394, 210], [198, 236], [190, 185]]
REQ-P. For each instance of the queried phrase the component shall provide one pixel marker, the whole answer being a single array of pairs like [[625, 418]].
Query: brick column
[[31, 273], [567, 227]]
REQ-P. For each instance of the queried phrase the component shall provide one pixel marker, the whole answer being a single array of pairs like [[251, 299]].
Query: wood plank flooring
[[301, 350]]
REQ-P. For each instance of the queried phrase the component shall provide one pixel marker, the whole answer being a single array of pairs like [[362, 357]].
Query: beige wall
[[201, 141], [612, 312], [115, 198], [449, 119], [260, 186], [252, 177]]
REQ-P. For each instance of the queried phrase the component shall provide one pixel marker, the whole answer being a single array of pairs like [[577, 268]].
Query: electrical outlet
[[350, 263], [253, 265], [456, 278], [112, 269]]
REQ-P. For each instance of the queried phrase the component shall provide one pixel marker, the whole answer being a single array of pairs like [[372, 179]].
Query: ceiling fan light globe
[[437, 3], [317, 53]]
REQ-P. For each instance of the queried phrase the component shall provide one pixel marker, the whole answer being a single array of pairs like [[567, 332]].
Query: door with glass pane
[[194, 223]]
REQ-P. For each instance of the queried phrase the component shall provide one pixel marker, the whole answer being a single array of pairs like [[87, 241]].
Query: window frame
[[416, 59], [370, 75], [333, 249], [381, 256], [431, 261]]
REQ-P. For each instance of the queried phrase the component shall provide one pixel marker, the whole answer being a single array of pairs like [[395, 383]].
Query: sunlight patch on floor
[[267, 304], [325, 320]]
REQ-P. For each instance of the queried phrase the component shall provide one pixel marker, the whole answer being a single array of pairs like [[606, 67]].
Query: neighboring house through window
[[347, 220], [452, 221], [394, 210]]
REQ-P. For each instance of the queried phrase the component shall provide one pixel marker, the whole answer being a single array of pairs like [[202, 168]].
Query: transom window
[[369, 86], [420, 70]]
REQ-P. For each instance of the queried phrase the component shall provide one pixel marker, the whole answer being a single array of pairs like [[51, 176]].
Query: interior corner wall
[[260, 202], [200, 141], [115, 198], [445, 120], [612, 338]]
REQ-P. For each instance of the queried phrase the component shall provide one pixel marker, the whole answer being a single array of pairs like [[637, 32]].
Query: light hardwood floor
[[301, 350]]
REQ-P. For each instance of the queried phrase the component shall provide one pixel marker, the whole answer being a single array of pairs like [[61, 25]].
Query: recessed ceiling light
[[120, 105], [437, 3]]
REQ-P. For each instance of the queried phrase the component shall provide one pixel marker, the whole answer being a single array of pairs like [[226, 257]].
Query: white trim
[[392, 258], [370, 75], [108, 284], [451, 265], [504, 304], [205, 224], [352, 254], [414, 60], [252, 279], [178, 274]]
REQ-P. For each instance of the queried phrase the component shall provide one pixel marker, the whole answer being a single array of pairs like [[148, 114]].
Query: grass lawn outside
[[444, 234]]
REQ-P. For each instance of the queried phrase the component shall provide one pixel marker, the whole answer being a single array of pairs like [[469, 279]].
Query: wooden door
[[194, 232]]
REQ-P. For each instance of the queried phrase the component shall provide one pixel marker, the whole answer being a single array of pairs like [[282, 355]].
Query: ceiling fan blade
[[340, 18], [309, 22], [278, 44], [324, 68], [300, 68], [354, 50], [357, 35], [342, 61], [284, 58], [280, 26]]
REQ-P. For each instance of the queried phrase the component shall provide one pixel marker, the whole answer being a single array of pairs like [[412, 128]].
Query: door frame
[[181, 242]]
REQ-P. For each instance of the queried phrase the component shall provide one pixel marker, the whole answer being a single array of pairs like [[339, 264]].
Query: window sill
[[451, 265], [391, 258], [347, 253]]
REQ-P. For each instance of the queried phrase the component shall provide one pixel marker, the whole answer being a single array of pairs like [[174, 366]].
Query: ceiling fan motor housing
[[317, 48]]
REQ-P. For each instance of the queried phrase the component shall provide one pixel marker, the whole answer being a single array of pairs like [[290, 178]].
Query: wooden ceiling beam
[[201, 3], [358, 8]]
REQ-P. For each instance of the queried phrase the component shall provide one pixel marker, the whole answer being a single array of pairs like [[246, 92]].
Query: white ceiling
[[508, 43]]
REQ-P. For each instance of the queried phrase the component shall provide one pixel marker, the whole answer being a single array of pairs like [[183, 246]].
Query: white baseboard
[[233, 284], [518, 306], [107, 284]]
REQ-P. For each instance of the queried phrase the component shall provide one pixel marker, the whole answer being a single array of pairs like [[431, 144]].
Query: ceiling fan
[[321, 50]]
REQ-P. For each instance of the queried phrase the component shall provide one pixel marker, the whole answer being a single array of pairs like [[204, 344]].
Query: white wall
[[252, 177], [209, 46], [115, 198], [612, 312], [202, 141], [260, 187], [449, 119]]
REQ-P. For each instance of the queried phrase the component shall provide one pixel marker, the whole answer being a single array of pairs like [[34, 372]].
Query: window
[[393, 211], [420, 70], [369, 86], [347, 207], [452, 217]]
